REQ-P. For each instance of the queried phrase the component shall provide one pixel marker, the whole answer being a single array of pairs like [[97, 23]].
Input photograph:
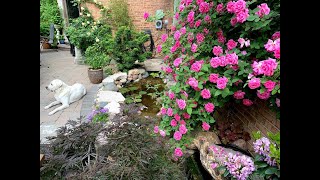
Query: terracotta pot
[[95, 75], [46, 45]]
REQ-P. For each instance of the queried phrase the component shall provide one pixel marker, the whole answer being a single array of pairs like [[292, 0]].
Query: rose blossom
[[164, 37], [239, 6], [177, 35], [204, 7], [186, 115], [166, 57], [200, 38], [173, 49], [268, 66], [183, 30], [197, 66], [171, 95], [215, 62], [183, 129], [173, 123], [190, 17], [199, 1], [231, 44], [205, 93], [230, 6], [247, 102], [219, 8], [270, 46], [188, 2], [181, 103], [156, 129], [270, 85], [181, 8], [162, 133], [222, 82], [163, 111], [168, 69], [177, 135], [207, 19], [213, 78], [223, 61], [233, 21], [194, 48], [177, 62], [209, 107], [217, 50], [193, 82], [278, 102], [177, 117], [254, 83], [169, 112], [159, 48], [242, 16], [239, 94], [265, 95], [205, 126], [276, 35], [146, 15], [232, 58], [178, 152], [182, 122], [198, 23], [263, 10]]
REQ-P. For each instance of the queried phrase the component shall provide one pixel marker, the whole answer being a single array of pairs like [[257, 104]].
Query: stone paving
[[60, 65]]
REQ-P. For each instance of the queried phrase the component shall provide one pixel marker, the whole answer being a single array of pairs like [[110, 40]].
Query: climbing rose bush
[[218, 53]]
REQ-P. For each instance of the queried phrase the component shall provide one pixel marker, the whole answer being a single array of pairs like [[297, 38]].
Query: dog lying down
[[64, 94]]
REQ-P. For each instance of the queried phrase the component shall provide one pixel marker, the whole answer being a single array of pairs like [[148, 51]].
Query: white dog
[[64, 94]]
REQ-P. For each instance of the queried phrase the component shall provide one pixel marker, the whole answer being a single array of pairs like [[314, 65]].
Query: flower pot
[[79, 59], [61, 41], [46, 45], [95, 75]]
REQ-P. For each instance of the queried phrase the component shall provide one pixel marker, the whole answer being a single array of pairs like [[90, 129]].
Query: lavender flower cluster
[[262, 147], [96, 112], [239, 167]]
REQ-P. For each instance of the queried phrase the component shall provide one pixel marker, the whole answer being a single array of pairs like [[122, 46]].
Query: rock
[[102, 104], [113, 107], [153, 64], [123, 80], [241, 144], [119, 75], [145, 75], [100, 85], [135, 76], [129, 79], [137, 80], [108, 96], [110, 87], [141, 71], [119, 86], [107, 80], [117, 82], [133, 72], [140, 76]]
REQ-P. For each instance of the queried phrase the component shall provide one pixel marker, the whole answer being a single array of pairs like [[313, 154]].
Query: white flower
[[80, 14], [95, 1], [99, 3], [88, 22], [88, 33], [88, 15], [97, 40], [82, 8], [83, 24], [94, 23]]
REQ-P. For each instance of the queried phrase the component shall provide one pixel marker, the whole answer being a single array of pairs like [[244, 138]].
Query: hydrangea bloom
[[262, 147], [239, 167]]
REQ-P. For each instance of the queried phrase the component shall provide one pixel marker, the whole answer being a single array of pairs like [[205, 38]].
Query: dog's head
[[54, 85]]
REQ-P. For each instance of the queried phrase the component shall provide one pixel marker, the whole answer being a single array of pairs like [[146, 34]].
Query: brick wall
[[136, 11], [258, 117]]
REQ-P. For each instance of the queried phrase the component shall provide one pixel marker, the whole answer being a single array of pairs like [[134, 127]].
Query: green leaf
[[271, 170], [251, 18], [240, 73], [189, 110], [256, 135], [138, 100], [205, 68], [217, 93], [262, 90], [261, 164], [225, 92], [229, 71], [142, 92], [201, 73], [226, 173], [200, 86]]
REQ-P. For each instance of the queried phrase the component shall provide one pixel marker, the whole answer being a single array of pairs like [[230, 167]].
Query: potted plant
[[96, 59], [61, 39]]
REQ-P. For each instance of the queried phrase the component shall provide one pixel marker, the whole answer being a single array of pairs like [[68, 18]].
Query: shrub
[[119, 13], [217, 53], [49, 14]]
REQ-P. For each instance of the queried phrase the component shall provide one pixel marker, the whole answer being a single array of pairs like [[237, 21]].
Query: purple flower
[[262, 147], [104, 110], [239, 167]]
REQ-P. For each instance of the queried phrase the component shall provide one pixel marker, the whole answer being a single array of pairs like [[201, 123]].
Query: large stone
[[110, 87], [113, 107], [241, 144], [153, 64], [47, 129], [141, 71], [119, 75], [107, 80], [145, 75], [109, 96], [133, 72]]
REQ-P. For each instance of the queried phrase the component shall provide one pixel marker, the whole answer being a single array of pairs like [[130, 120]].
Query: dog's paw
[[46, 107], [50, 113]]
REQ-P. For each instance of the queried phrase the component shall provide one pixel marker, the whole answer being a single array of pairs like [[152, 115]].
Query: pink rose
[[173, 123], [276, 35], [178, 152], [204, 7], [199, 1], [185, 94], [207, 19], [223, 61], [190, 37], [250, 75], [242, 16], [215, 62], [159, 48], [164, 37], [177, 35], [254, 83], [169, 112], [182, 122], [190, 17], [268, 66], [231, 44], [171, 95], [278, 102], [263, 10], [188, 2], [173, 49], [181, 103], [247, 102], [181, 8], [232, 58], [270, 85], [233, 21], [198, 23], [183, 129], [206, 31], [221, 39], [217, 50], [214, 165], [205, 93], [270, 46], [146, 15], [183, 30], [256, 67], [163, 111], [177, 62], [194, 48], [234, 67], [166, 57], [265, 95], [239, 94], [168, 69], [193, 82], [243, 52], [213, 78], [209, 107], [277, 53], [156, 129], [186, 115], [173, 28], [222, 82], [177, 117], [177, 135], [162, 133], [219, 8], [200, 38], [239, 6], [230, 6], [196, 67], [205, 126]]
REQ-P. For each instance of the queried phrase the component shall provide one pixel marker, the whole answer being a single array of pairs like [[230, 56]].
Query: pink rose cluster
[[200, 38], [239, 9], [263, 10], [273, 46], [222, 61], [193, 82], [157, 130], [231, 44], [217, 50], [177, 62], [221, 38], [196, 66], [266, 67], [204, 7]]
